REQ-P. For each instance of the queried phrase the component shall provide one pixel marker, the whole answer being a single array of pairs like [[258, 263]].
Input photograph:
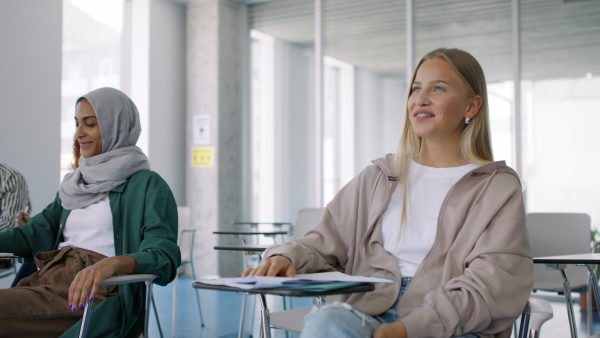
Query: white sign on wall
[[201, 130]]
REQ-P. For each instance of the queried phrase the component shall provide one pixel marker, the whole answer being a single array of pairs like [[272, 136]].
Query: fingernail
[[73, 309], [80, 306], [70, 307], [91, 299]]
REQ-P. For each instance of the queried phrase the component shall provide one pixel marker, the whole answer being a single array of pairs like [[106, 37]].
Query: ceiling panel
[[559, 39]]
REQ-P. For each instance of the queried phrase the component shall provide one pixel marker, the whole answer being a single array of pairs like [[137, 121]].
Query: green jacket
[[144, 216]]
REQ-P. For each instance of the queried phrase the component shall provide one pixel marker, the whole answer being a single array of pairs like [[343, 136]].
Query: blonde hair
[[475, 144]]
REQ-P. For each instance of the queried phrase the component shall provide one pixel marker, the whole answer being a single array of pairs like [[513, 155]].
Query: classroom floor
[[221, 312]]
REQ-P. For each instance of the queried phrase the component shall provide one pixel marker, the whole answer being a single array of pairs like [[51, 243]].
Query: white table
[[560, 263]]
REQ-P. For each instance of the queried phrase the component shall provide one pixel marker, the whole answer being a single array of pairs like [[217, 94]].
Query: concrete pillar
[[215, 40]]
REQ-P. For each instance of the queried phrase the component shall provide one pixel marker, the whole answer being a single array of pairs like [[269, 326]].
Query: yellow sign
[[202, 157]]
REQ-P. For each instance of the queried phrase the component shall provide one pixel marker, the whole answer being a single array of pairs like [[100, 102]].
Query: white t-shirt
[[428, 188], [91, 228]]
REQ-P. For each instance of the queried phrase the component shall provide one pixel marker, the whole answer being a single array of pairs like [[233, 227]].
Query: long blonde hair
[[475, 144]]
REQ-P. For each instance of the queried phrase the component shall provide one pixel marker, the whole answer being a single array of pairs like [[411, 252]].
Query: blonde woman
[[439, 218]]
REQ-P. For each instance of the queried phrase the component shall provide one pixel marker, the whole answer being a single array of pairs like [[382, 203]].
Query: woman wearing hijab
[[112, 215]]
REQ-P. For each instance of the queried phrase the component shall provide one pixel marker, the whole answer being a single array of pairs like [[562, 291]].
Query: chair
[[125, 279], [292, 320], [305, 219], [10, 269], [186, 245], [536, 313], [554, 234]]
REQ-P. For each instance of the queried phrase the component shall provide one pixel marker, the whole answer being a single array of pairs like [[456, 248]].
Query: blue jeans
[[342, 320]]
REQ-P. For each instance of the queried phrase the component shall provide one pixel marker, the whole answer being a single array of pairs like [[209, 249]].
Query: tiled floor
[[221, 311]]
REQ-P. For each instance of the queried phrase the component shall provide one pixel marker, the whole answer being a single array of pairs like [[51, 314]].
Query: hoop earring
[[467, 120]]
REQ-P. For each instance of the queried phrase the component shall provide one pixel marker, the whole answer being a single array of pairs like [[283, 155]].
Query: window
[[91, 59], [560, 92], [338, 126], [262, 126]]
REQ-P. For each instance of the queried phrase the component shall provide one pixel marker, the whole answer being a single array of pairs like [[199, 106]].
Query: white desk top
[[587, 258]]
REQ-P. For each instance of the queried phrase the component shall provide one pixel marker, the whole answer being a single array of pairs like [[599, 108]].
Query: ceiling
[[558, 38]]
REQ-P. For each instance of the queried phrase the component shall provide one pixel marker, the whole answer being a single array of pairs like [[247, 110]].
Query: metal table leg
[[264, 315], [242, 315], [567, 289], [594, 284]]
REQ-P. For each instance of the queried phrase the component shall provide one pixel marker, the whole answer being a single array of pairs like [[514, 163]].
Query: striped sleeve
[[14, 196]]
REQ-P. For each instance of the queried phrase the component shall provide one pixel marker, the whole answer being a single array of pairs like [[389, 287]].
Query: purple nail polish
[[80, 306], [91, 299], [73, 309], [70, 307]]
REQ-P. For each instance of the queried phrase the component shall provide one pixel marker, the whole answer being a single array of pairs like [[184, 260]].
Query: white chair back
[[306, 219], [553, 234], [185, 244]]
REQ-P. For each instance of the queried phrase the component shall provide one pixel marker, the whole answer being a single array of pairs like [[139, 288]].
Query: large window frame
[[510, 102]]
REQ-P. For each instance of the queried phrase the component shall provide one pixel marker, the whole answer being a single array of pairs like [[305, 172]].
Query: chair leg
[[147, 307], [524, 327], [174, 314], [197, 294], [85, 319], [157, 319]]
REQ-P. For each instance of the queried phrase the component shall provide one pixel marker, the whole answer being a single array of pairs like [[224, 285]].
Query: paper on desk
[[7, 254], [300, 280]]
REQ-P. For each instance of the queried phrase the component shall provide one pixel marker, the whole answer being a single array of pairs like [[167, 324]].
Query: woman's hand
[[273, 266], [91, 277], [394, 330], [22, 218]]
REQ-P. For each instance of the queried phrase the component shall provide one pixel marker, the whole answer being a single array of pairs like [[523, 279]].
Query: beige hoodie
[[478, 275]]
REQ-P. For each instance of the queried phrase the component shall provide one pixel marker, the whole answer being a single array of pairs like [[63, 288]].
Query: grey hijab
[[120, 128]]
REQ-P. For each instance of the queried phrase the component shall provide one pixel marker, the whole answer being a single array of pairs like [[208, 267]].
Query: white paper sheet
[[262, 282]]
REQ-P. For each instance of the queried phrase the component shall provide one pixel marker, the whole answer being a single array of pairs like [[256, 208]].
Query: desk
[[243, 234], [247, 249], [559, 263], [12, 268], [265, 322], [256, 224], [255, 233]]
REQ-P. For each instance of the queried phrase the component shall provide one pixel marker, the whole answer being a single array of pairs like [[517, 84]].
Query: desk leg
[[567, 288], [594, 284], [264, 314], [242, 315]]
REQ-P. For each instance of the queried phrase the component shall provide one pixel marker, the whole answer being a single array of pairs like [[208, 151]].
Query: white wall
[[30, 89]]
